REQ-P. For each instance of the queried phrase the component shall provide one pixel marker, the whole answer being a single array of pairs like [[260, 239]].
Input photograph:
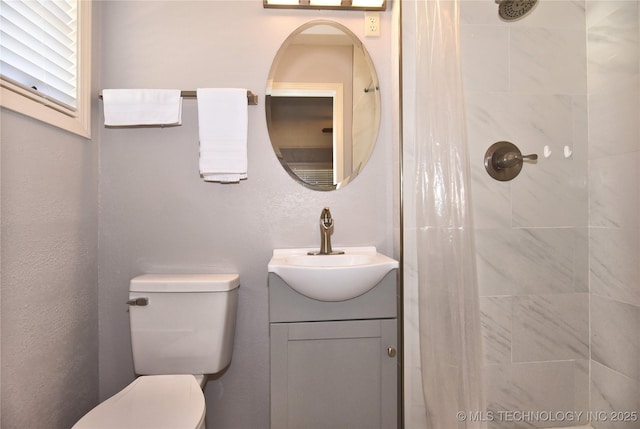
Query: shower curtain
[[449, 319]]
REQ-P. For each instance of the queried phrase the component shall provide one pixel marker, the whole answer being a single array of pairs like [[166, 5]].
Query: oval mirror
[[323, 105]]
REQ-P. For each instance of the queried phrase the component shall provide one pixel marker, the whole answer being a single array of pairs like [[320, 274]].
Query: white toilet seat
[[154, 402]]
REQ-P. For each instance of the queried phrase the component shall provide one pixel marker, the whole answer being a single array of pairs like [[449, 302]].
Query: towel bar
[[252, 99]]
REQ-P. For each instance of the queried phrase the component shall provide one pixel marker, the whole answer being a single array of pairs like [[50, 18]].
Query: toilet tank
[[182, 323]]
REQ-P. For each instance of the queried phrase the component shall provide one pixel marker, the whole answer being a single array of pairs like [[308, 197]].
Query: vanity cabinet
[[334, 364]]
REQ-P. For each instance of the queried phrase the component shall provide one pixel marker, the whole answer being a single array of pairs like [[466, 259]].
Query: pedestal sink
[[331, 277]]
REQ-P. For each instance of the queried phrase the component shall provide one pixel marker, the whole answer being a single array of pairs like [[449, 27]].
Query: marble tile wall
[[526, 82], [613, 36], [558, 248]]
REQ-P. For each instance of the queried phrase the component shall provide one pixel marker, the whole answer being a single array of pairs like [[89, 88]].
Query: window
[[45, 61]]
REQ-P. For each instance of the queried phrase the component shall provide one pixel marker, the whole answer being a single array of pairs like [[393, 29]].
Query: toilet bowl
[[151, 402], [182, 327]]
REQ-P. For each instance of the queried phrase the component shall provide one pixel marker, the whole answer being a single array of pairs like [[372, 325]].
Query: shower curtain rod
[[252, 99]]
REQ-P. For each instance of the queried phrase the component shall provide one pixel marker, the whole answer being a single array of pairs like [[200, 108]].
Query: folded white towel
[[127, 107], [222, 123]]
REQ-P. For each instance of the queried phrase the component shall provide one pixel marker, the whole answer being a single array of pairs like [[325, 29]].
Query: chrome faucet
[[326, 228]]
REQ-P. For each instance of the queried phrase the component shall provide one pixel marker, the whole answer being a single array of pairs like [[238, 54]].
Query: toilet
[[182, 328]]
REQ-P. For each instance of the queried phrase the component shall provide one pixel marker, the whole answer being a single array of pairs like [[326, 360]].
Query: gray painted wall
[[49, 275], [49, 259], [0, 272], [157, 215]]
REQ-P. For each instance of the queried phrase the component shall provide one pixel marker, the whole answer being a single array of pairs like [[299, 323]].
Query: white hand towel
[[222, 123], [128, 107]]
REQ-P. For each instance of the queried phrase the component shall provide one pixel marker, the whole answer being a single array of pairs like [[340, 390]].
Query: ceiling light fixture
[[326, 4]]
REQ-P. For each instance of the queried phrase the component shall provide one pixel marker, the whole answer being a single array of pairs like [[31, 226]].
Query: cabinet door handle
[[391, 352]]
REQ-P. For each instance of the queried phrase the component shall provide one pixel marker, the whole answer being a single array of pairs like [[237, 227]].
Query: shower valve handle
[[503, 160], [510, 159]]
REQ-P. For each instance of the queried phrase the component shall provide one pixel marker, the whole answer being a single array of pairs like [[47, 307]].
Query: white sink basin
[[331, 277]]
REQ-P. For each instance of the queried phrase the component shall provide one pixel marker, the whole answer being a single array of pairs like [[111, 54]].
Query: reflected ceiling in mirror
[[323, 105]]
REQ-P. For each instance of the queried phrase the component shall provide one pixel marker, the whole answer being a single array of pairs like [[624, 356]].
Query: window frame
[[33, 104]]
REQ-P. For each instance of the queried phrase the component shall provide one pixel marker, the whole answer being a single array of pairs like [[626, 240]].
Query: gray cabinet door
[[327, 375]]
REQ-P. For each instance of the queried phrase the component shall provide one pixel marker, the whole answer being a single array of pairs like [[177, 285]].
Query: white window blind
[[39, 48]]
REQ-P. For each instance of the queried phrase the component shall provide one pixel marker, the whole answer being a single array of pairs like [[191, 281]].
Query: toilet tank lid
[[184, 283]]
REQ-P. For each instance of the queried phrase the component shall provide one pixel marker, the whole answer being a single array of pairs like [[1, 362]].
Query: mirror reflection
[[323, 105]]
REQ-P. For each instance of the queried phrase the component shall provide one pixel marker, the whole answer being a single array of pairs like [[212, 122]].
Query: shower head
[[512, 10]]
